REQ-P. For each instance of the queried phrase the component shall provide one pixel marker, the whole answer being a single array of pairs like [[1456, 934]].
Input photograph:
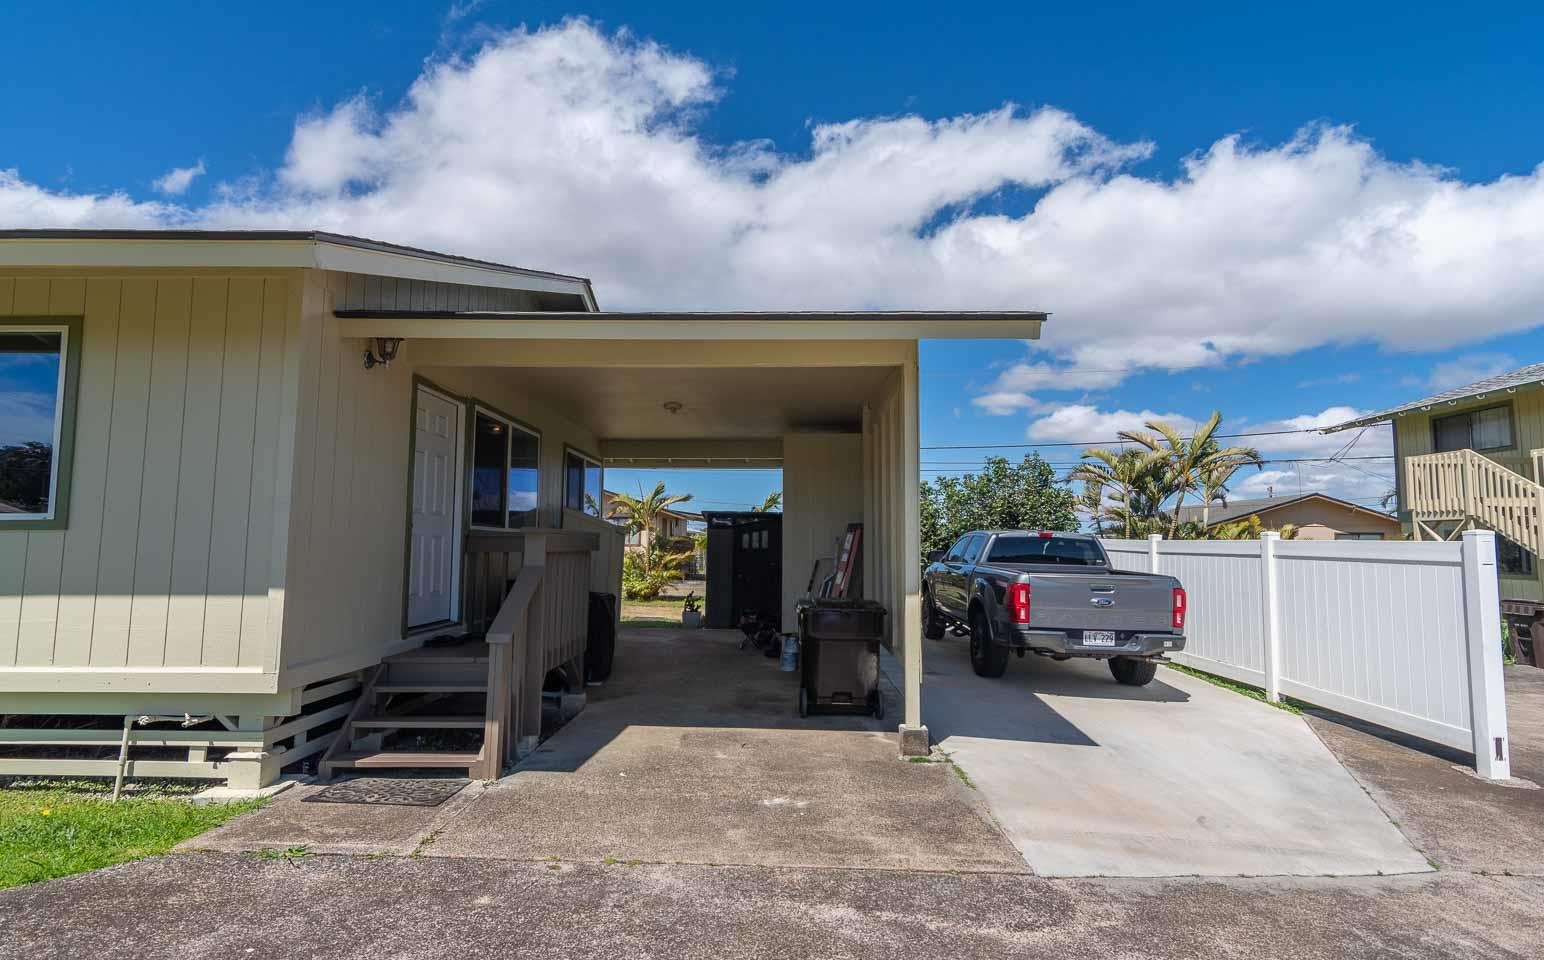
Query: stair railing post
[[528, 728], [1482, 634]]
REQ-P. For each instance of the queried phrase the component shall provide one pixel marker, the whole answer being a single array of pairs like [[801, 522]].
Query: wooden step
[[432, 686], [458, 722], [396, 759]]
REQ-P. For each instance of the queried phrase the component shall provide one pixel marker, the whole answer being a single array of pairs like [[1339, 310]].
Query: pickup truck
[[1054, 594]]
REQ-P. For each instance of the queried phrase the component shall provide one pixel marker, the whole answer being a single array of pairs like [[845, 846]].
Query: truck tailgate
[[1102, 602]]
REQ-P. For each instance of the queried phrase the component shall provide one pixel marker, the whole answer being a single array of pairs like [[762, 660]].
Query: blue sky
[[1370, 235]]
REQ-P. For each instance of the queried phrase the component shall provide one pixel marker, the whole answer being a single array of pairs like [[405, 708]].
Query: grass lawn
[[52, 829], [664, 612]]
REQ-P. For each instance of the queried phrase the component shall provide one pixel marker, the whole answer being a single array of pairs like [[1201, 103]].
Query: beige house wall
[[170, 573], [823, 492], [1413, 437], [1322, 520]]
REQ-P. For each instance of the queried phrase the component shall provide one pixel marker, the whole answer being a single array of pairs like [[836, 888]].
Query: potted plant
[[691, 612]]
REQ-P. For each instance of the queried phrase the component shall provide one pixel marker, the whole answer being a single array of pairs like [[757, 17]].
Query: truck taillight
[[1179, 608], [1018, 602]]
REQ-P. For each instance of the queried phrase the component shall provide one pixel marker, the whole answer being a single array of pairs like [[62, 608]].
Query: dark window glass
[[1065, 551], [524, 487], [490, 455], [973, 548], [30, 366], [1514, 560], [581, 484], [957, 552], [1488, 429], [593, 478]]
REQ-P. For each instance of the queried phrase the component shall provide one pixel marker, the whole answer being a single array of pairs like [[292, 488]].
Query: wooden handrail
[[509, 632], [1465, 485]]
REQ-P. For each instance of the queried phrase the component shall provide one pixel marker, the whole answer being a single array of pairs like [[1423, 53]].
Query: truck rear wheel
[[1133, 673], [986, 658], [932, 622]]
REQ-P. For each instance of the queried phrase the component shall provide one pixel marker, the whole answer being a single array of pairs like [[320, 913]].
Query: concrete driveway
[[1179, 778]]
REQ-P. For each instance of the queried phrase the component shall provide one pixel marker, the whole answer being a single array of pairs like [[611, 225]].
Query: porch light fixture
[[384, 353]]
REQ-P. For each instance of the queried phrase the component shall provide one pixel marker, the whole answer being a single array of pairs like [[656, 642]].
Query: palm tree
[[640, 514], [773, 502], [1189, 459], [1092, 500], [1127, 474]]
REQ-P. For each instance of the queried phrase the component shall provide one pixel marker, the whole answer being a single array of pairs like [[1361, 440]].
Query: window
[[1512, 559], [1358, 536], [957, 552], [973, 548], [582, 480], [1066, 551], [38, 367], [505, 492], [1487, 429]]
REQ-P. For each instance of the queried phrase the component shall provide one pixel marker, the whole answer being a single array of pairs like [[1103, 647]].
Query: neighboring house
[[1317, 516], [1473, 456], [668, 525], [232, 515]]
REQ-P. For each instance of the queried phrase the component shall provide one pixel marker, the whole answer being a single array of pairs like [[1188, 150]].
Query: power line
[[1094, 443]]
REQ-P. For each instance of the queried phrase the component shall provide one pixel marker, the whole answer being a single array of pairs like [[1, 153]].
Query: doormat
[[390, 791]]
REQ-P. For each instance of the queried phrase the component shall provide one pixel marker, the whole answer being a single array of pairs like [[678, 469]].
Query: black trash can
[[839, 657]]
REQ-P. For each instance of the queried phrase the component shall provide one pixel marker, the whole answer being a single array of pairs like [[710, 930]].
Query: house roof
[[270, 248], [1240, 509], [1524, 377]]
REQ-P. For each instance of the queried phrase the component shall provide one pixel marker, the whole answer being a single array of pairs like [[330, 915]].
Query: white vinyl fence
[[1406, 635]]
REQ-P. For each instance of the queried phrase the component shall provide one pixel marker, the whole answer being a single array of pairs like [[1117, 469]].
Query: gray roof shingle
[[1531, 375]]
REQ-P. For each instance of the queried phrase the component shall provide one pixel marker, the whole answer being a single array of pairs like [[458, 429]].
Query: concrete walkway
[[1179, 778], [693, 753]]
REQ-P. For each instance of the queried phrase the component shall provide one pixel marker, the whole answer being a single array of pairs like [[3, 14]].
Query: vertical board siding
[[162, 463], [822, 494], [45, 548], [13, 544], [88, 496], [174, 477], [1225, 602]]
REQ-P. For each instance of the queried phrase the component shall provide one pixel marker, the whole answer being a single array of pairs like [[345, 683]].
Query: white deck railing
[[1468, 486], [1405, 635]]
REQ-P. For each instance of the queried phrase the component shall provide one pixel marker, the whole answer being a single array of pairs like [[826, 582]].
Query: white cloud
[[1080, 423], [573, 149], [1464, 370], [176, 181]]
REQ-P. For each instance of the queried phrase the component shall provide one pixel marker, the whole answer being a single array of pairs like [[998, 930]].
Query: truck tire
[[1132, 672], [986, 657], [932, 623]]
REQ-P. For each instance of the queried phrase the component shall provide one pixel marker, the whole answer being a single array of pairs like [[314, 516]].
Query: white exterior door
[[435, 553]]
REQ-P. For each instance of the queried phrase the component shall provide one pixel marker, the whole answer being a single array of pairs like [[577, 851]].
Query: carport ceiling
[[717, 403]]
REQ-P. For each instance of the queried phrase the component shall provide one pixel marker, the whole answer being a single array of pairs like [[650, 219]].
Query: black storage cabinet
[[839, 657], [745, 568]]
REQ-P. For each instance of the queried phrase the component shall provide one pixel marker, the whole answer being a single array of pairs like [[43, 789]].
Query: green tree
[[1194, 462], [1003, 496], [640, 514]]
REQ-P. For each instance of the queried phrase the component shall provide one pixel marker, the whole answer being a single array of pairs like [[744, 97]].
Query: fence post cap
[[1477, 534], [1155, 536], [1270, 535]]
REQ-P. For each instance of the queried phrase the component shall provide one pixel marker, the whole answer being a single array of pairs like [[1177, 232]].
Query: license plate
[[1098, 638]]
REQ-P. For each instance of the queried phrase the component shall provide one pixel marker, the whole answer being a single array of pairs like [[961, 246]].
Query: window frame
[[600, 496], [71, 329], [479, 407], [1511, 427]]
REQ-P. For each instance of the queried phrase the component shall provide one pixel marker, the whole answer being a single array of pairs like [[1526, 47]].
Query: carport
[[831, 398]]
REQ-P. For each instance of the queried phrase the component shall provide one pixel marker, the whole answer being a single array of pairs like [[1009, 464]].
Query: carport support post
[[913, 735], [1487, 681], [1270, 615]]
